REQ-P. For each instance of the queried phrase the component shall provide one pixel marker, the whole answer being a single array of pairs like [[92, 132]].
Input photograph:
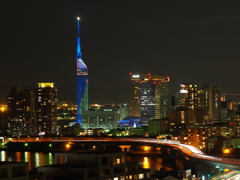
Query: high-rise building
[[146, 95], [188, 96], [123, 110], [211, 102], [20, 112], [46, 99], [150, 103], [82, 80]]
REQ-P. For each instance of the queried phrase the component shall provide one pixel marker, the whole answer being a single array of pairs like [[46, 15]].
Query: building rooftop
[[10, 162]]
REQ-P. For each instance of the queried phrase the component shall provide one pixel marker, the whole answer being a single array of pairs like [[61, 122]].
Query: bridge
[[168, 149]]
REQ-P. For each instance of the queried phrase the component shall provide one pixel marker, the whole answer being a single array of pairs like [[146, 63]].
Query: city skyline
[[193, 42]]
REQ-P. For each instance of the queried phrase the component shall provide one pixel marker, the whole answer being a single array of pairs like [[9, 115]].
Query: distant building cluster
[[194, 115], [31, 113]]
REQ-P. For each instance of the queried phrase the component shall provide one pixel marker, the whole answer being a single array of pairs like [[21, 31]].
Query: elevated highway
[[189, 152]]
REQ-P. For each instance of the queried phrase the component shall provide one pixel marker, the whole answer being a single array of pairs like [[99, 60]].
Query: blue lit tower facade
[[82, 80]]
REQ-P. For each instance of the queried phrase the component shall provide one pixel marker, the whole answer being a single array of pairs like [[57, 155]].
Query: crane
[[224, 94]]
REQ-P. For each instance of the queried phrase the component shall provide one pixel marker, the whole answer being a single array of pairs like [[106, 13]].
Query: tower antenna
[[78, 25], [79, 54]]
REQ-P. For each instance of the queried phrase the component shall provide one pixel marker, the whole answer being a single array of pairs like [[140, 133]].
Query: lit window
[[118, 161], [141, 176]]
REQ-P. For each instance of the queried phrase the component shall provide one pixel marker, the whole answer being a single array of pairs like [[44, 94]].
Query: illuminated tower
[[82, 80]]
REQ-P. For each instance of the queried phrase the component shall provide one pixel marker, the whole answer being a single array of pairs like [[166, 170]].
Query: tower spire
[[78, 25], [79, 54]]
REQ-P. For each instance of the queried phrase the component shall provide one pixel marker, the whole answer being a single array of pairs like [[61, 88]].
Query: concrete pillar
[[167, 153], [125, 148], [104, 147], [9, 172]]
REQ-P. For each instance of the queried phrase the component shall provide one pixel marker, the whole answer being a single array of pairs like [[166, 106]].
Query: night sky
[[190, 41]]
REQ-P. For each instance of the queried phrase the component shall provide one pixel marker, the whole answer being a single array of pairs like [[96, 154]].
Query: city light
[[3, 108], [226, 151], [147, 148], [146, 163], [68, 146]]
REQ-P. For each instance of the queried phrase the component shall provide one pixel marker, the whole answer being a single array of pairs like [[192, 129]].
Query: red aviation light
[[168, 77], [149, 74], [130, 73]]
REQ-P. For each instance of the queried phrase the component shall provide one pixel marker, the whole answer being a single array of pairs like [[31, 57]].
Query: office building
[[158, 126], [236, 124], [21, 112], [146, 95], [222, 129], [46, 99], [105, 118], [82, 80], [211, 104], [187, 96], [231, 143], [123, 110], [180, 119]]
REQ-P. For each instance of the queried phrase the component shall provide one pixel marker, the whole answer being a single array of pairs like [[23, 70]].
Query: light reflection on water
[[154, 162], [34, 159], [146, 163]]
